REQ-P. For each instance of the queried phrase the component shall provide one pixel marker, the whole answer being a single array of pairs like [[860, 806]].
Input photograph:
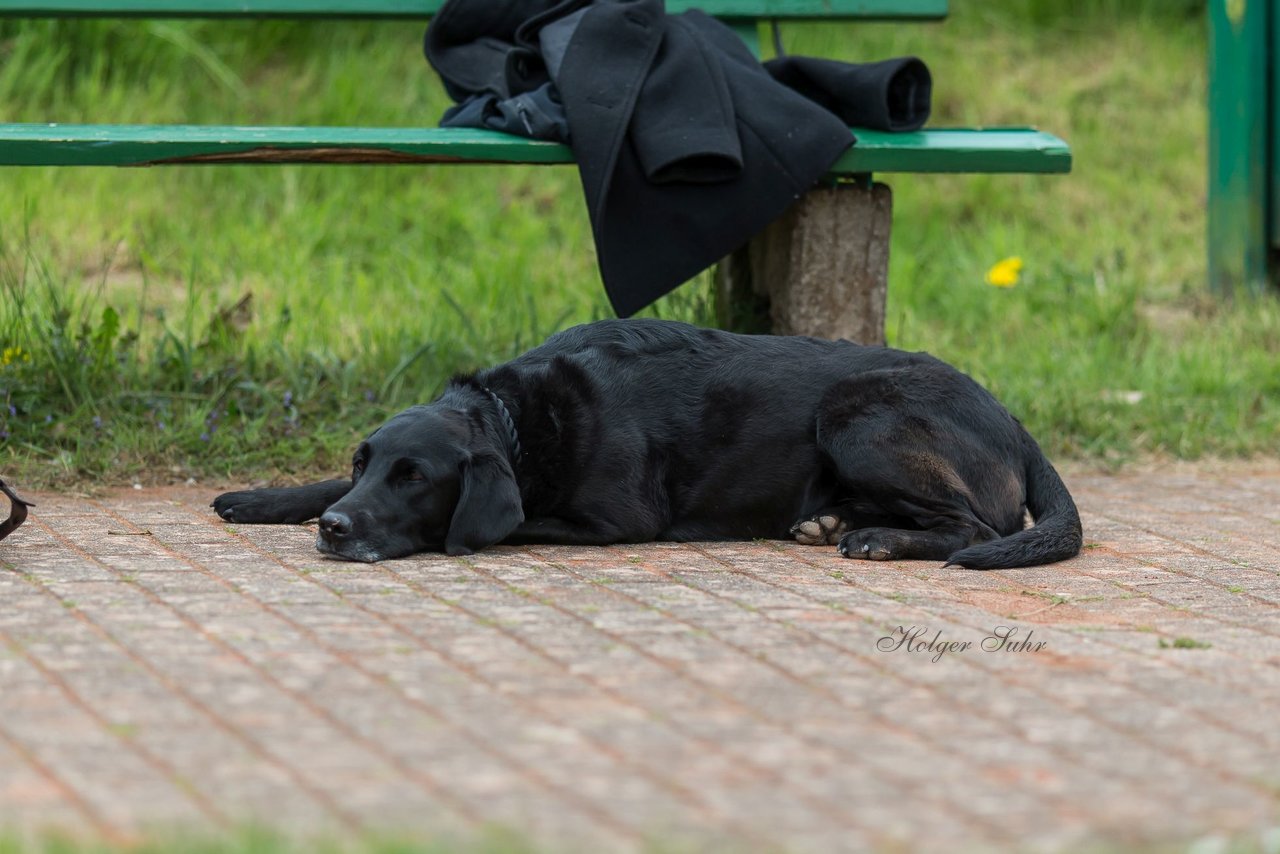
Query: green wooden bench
[[820, 270]]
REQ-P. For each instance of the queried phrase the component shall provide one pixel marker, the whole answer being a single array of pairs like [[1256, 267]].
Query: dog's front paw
[[867, 544], [823, 529], [247, 507]]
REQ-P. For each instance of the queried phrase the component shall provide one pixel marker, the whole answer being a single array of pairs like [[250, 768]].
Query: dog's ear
[[489, 506]]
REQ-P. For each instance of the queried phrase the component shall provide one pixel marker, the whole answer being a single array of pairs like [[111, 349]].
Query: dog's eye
[[415, 476], [357, 468]]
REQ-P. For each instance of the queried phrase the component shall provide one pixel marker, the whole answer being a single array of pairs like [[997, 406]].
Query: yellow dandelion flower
[[1004, 273], [13, 354]]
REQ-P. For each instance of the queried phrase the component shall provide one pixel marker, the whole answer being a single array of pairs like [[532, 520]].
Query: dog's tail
[[1056, 534]]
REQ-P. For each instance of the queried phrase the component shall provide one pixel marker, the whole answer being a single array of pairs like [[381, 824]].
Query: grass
[[1184, 643], [252, 322], [261, 841]]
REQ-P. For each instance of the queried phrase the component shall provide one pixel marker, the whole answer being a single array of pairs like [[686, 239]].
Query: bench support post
[[821, 269]]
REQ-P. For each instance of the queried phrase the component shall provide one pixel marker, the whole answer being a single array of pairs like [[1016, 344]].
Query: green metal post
[[1240, 75], [1274, 132]]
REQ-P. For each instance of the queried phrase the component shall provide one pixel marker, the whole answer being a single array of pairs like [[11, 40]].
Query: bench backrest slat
[[803, 9]]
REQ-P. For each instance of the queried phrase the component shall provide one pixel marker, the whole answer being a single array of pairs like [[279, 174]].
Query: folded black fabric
[[472, 44], [537, 114], [892, 95], [685, 144], [698, 107]]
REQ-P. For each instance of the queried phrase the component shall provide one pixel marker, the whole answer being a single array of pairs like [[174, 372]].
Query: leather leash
[[17, 513]]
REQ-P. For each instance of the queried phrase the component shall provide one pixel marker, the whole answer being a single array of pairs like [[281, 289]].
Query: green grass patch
[[264, 841], [261, 841], [1184, 643], [254, 322]]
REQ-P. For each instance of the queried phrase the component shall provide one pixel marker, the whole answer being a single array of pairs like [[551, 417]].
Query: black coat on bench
[[685, 144]]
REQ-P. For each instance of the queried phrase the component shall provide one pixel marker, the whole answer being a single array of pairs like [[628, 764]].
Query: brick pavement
[[161, 669]]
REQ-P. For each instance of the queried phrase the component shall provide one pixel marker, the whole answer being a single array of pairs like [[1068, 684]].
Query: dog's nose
[[334, 525]]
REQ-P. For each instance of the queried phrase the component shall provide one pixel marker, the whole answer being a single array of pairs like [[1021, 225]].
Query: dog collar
[[509, 423]]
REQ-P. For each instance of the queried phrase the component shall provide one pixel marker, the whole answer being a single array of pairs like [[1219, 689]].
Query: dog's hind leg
[[932, 514], [829, 525], [856, 531], [934, 543], [903, 496]]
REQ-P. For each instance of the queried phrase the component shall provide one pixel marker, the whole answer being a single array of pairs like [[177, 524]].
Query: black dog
[[629, 431]]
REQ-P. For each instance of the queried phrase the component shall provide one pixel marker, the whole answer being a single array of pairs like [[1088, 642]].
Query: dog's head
[[430, 479]]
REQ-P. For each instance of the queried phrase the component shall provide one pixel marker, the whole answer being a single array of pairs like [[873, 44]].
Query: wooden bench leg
[[821, 269]]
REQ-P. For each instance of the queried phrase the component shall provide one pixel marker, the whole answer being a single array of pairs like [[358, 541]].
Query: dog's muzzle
[[334, 538]]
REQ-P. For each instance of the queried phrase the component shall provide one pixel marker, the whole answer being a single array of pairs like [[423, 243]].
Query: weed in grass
[[1184, 643], [256, 840], [1054, 598], [123, 730]]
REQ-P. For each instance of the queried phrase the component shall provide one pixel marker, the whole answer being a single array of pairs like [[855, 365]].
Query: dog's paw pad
[[822, 530], [866, 545], [809, 533]]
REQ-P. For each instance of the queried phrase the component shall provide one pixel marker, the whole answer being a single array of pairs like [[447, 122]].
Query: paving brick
[[158, 666]]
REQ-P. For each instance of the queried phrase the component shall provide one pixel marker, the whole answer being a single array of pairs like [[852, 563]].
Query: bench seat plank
[[944, 150], [804, 9]]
